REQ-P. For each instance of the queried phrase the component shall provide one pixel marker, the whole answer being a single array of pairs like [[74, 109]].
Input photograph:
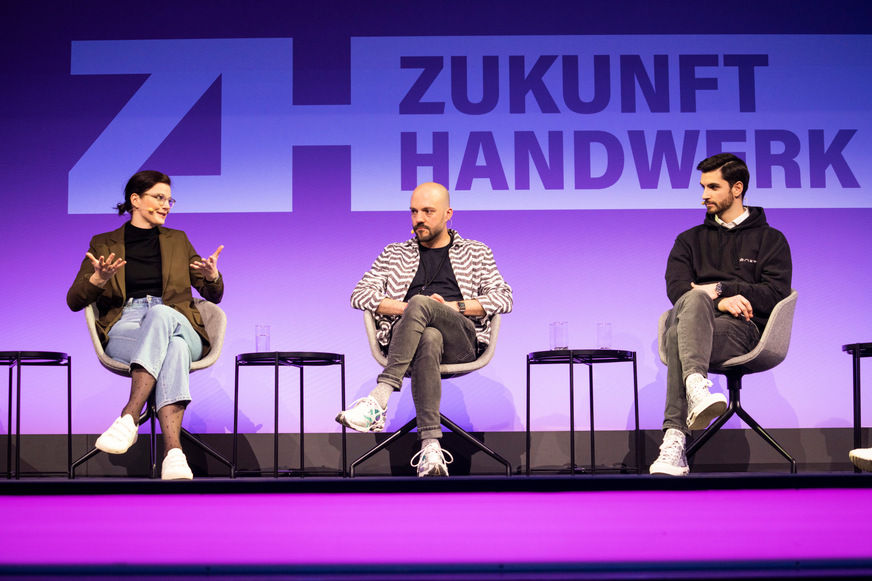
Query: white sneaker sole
[[175, 467], [434, 471], [363, 430], [706, 411], [177, 476], [110, 447], [861, 462], [669, 469]]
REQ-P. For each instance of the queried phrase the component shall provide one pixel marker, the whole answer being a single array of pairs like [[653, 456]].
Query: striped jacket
[[474, 268]]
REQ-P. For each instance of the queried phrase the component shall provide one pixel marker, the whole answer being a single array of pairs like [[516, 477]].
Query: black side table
[[857, 351], [588, 357], [287, 359], [16, 360]]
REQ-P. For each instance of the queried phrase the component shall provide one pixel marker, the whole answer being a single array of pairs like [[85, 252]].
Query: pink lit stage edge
[[581, 529]]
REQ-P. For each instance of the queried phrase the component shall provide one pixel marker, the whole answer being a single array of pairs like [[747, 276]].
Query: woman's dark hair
[[733, 169], [140, 183]]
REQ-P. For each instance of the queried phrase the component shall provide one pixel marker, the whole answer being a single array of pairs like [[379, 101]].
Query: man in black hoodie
[[723, 278]]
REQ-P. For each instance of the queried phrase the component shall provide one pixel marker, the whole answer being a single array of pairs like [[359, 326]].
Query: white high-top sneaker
[[702, 405], [672, 459]]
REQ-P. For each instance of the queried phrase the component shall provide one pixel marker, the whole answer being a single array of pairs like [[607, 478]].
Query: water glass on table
[[603, 335], [261, 338], [559, 335]]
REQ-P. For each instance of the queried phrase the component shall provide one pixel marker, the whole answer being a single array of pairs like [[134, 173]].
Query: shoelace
[[705, 384], [374, 406], [671, 450], [423, 453], [698, 392]]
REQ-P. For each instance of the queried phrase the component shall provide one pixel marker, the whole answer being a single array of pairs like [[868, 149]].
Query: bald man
[[433, 297]]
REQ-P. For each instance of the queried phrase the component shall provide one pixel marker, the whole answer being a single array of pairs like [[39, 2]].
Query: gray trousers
[[427, 335], [699, 337]]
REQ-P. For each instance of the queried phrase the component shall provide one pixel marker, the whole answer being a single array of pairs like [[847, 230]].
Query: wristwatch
[[461, 306], [719, 288]]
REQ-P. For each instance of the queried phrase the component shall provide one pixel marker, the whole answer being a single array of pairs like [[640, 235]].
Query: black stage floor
[[703, 526], [396, 484]]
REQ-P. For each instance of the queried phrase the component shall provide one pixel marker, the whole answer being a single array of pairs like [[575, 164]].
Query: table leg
[[235, 416], [69, 412], [857, 397], [342, 407], [637, 432], [571, 416], [9, 428], [276, 420], [528, 419], [592, 432], [18, 419], [302, 430]]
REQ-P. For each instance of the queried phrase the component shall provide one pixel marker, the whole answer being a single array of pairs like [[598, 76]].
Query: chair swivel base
[[410, 425], [735, 408], [150, 414]]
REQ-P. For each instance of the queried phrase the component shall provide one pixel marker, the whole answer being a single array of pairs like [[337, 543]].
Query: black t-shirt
[[435, 275], [142, 274]]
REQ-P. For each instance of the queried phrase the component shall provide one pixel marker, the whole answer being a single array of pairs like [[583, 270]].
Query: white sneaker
[[672, 459], [862, 458], [175, 466], [364, 415], [119, 437], [431, 462], [702, 405]]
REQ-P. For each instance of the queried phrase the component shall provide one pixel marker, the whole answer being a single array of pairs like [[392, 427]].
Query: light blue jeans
[[160, 340]]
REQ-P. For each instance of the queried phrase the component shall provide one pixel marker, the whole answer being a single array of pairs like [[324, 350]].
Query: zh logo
[[256, 91]]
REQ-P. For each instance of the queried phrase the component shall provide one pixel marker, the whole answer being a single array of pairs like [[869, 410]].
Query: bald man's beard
[[429, 235]]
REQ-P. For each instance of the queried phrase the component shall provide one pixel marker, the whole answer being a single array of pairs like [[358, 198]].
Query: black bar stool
[[857, 351], [279, 359], [16, 360], [589, 357]]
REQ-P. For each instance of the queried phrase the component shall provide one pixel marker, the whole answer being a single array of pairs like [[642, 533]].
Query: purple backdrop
[[294, 270]]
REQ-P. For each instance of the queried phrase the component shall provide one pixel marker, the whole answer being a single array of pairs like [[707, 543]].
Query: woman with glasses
[[140, 276]]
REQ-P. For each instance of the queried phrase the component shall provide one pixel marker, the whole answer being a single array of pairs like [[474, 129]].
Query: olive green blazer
[[176, 254]]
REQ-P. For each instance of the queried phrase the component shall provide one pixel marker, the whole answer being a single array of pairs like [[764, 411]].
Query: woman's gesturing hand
[[209, 267], [104, 268]]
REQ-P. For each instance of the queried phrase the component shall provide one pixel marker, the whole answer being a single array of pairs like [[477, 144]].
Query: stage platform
[[704, 526]]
